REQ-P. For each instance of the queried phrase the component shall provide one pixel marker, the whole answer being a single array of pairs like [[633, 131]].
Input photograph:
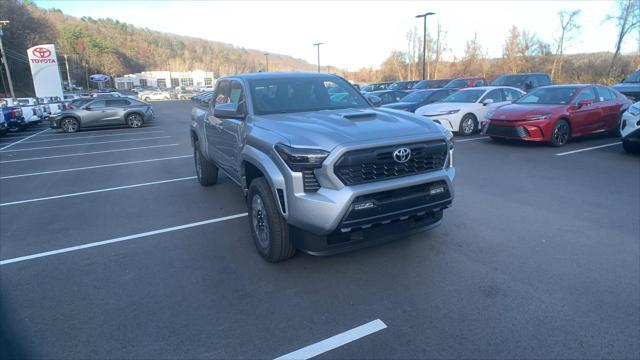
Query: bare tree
[[511, 53], [439, 48], [568, 30], [627, 19]]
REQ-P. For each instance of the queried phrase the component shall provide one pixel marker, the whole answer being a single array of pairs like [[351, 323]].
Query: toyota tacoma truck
[[322, 169]]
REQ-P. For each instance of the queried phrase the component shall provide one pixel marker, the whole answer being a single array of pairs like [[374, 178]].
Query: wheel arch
[[257, 164]]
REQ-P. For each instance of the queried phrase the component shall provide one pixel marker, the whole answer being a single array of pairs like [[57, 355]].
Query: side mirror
[[228, 111], [486, 102], [374, 100], [528, 85], [583, 103]]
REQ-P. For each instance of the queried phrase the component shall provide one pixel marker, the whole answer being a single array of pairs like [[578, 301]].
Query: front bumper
[[522, 130], [451, 122], [630, 126], [54, 122]]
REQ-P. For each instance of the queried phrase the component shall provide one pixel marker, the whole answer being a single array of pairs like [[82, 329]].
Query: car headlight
[[538, 117], [298, 159], [634, 110], [449, 112]]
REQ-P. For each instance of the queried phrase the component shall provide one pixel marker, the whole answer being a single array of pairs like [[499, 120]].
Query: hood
[[329, 128], [627, 86], [436, 108], [520, 111]]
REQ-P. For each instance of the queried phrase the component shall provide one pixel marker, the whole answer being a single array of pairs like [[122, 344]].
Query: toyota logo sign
[[402, 155], [41, 53]]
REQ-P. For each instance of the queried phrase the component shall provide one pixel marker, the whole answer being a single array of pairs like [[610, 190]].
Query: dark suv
[[524, 81], [630, 86]]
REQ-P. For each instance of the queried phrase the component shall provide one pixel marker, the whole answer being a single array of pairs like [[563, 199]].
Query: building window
[[121, 85], [208, 81], [143, 82], [162, 83], [175, 82], [186, 81]]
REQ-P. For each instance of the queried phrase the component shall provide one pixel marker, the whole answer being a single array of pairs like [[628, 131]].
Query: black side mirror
[[374, 100], [228, 111]]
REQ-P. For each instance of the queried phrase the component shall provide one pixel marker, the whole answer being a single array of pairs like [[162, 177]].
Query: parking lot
[[111, 249]]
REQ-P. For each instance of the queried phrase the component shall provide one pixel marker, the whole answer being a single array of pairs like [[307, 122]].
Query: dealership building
[[166, 79]]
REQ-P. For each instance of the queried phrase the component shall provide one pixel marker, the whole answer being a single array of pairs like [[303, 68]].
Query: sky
[[356, 33]]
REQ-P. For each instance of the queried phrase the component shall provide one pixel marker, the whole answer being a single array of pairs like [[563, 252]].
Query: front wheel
[[561, 133], [134, 120], [206, 172], [468, 125], [69, 125], [269, 230]]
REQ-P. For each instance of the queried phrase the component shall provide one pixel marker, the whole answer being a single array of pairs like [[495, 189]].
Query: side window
[[236, 94], [97, 104], [117, 103], [511, 95], [399, 95], [387, 98], [479, 83], [534, 81], [586, 94], [604, 94], [222, 92], [439, 95], [495, 95]]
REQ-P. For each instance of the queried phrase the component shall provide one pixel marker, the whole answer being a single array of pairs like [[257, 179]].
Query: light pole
[[318, 45], [424, 44], [66, 62], [266, 57], [4, 60]]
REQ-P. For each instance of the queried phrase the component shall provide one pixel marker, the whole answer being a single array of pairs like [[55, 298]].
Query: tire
[[616, 131], [269, 230], [561, 134], [134, 120], [468, 125], [15, 128], [69, 125], [206, 172], [630, 147]]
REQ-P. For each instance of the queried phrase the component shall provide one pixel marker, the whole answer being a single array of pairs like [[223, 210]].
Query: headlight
[[634, 110], [538, 117], [301, 159], [450, 112]]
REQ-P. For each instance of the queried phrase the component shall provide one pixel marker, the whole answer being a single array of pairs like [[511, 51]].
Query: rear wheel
[[15, 128], [269, 230], [134, 120], [468, 125], [206, 172], [561, 133], [69, 125]]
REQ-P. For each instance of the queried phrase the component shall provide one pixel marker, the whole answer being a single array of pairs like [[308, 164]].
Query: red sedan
[[555, 114]]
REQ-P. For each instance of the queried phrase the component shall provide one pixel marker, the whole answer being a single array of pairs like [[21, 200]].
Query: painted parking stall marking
[[88, 153], [588, 149], [336, 341], [119, 239], [23, 139], [89, 137], [84, 144], [94, 167]]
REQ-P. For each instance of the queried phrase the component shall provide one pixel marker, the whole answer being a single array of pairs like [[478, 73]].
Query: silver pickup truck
[[323, 170]]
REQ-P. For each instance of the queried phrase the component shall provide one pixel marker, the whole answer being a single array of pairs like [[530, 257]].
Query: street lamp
[[318, 45], [424, 43], [266, 56]]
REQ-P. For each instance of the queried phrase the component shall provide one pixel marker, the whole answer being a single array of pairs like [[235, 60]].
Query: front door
[[213, 125], [586, 119], [231, 134]]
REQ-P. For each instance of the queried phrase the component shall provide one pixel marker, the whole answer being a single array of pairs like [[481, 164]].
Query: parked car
[[463, 110], [68, 97], [154, 95], [321, 175], [466, 82], [375, 86], [419, 98], [630, 86], [431, 84], [523, 81], [110, 94], [630, 128], [104, 111], [12, 116], [32, 111], [402, 85], [555, 114], [51, 105], [389, 96]]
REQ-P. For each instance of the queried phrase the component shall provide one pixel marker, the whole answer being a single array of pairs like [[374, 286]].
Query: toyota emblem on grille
[[402, 155]]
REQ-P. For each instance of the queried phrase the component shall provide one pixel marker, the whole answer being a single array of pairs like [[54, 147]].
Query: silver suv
[[102, 111], [323, 170]]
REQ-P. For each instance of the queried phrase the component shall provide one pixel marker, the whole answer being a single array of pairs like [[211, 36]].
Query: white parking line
[[19, 141], [587, 149], [87, 153], [96, 191], [90, 137], [478, 138], [93, 167], [92, 143], [101, 131], [119, 239], [335, 341]]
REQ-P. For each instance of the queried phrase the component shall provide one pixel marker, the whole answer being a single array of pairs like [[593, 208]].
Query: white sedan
[[463, 110], [630, 128]]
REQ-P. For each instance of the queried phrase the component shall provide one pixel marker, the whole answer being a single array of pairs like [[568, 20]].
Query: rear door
[[117, 109], [588, 118], [610, 108]]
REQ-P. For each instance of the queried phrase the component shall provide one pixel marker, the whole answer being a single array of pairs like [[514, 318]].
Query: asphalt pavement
[[109, 248]]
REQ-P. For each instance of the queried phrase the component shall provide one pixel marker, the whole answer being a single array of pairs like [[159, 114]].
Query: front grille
[[310, 182], [376, 164], [507, 131]]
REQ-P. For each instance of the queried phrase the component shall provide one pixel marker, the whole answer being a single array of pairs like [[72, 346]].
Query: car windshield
[[509, 80], [367, 88], [633, 78], [459, 83], [427, 84], [299, 94], [416, 97], [551, 95], [464, 96], [396, 86]]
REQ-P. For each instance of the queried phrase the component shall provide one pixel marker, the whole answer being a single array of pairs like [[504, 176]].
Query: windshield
[[427, 84], [509, 80], [551, 95], [464, 96], [367, 88], [289, 95], [459, 83], [633, 78], [397, 86], [416, 97]]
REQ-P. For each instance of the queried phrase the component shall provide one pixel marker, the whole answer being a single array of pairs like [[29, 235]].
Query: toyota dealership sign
[[44, 70]]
